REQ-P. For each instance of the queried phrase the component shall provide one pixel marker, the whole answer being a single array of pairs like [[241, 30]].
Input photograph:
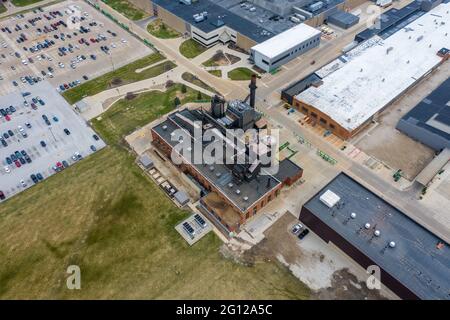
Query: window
[[313, 115], [332, 126], [304, 110], [254, 210], [323, 121]]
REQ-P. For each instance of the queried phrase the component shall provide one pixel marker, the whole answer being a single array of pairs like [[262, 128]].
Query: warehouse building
[[284, 47], [233, 191], [429, 121], [359, 89], [414, 263]]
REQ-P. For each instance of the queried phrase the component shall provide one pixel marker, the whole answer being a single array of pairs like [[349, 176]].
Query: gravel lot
[[123, 48], [59, 146]]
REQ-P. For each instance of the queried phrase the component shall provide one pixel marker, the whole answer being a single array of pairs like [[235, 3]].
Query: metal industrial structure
[[238, 182]]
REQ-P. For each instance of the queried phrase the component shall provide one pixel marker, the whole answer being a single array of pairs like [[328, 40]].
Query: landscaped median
[[191, 48], [240, 74], [130, 73], [2, 8], [23, 3]]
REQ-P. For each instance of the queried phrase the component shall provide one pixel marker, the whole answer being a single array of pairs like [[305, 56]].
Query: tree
[[183, 88], [199, 95], [177, 101]]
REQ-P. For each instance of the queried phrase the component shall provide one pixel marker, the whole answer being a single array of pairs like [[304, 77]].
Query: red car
[[17, 163], [59, 164], [8, 118], [2, 195]]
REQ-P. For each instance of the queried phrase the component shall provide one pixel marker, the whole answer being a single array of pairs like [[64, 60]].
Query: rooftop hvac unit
[[329, 198], [392, 244], [367, 225], [188, 2], [164, 127], [295, 19], [238, 191], [245, 198], [377, 233]]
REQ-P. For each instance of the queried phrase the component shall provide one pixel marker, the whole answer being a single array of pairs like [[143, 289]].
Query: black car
[[96, 138], [34, 178], [2, 195], [303, 234], [43, 144], [66, 131]]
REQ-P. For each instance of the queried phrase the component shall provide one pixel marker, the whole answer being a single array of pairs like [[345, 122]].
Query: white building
[[285, 46], [379, 73]]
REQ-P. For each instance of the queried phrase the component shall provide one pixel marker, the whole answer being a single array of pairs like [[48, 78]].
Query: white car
[[7, 169], [296, 229], [23, 183], [123, 41]]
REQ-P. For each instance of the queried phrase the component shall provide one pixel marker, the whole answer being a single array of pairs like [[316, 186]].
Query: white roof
[[329, 198], [286, 40], [369, 81]]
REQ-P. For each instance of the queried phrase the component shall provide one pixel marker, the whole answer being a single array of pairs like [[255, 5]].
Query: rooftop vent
[[164, 127], [238, 191], [211, 168], [377, 233], [230, 185], [392, 244], [353, 215], [245, 198], [218, 174], [367, 225]]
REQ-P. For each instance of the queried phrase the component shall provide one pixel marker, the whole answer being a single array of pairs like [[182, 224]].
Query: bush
[[177, 101], [183, 88]]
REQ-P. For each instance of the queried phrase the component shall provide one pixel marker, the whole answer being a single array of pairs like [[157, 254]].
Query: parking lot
[[66, 43], [30, 145]]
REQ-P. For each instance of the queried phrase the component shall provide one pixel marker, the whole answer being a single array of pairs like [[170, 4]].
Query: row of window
[[314, 115], [305, 45]]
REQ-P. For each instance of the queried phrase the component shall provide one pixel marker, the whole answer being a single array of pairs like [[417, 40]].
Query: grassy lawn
[[23, 3], [240, 74], [104, 215], [190, 49], [160, 30], [125, 115], [217, 73], [124, 75], [126, 8], [2, 8]]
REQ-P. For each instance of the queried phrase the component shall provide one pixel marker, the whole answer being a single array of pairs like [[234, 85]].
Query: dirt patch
[[116, 82], [130, 96], [233, 59], [345, 286], [234, 47]]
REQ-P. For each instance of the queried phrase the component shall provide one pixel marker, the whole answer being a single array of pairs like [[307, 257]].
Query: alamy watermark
[[373, 281], [73, 281]]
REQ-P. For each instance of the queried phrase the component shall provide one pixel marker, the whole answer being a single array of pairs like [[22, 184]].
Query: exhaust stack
[[253, 88]]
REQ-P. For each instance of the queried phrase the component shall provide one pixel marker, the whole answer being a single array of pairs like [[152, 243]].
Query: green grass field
[[23, 3], [160, 30], [124, 75], [240, 74], [2, 8], [126, 8], [217, 73], [104, 215], [189, 77], [190, 49]]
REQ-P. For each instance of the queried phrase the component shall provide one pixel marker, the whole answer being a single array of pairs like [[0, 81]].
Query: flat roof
[[286, 40], [354, 93], [220, 175], [433, 113], [215, 13], [415, 261]]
